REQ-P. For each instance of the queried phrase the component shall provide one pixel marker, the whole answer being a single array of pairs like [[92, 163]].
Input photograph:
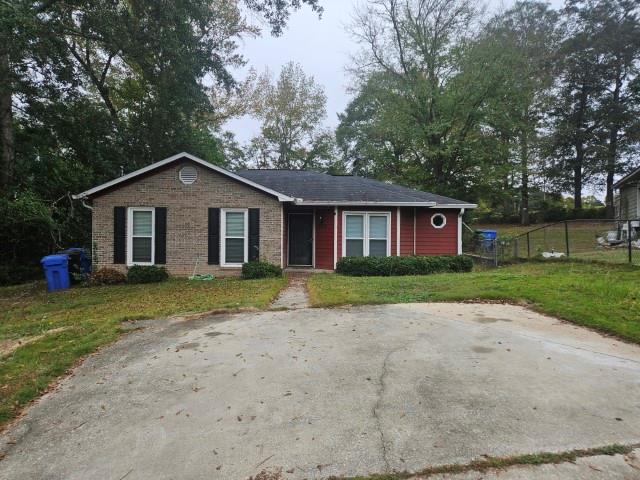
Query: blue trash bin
[[56, 271], [488, 237]]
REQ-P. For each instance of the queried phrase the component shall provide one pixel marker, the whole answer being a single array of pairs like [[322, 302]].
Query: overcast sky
[[321, 46]]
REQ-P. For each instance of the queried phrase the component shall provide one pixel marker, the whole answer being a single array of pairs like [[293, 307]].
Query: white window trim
[[444, 222], [365, 222], [223, 236], [130, 211]]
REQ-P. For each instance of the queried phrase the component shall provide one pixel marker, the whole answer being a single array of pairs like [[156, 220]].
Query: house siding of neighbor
[[182, 212]]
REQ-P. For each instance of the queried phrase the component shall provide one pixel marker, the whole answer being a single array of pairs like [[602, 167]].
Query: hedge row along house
[[183, 210]]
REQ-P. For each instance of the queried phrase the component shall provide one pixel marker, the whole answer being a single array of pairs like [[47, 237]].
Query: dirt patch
[[7, 347]]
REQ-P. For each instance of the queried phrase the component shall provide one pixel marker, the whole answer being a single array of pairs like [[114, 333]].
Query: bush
[[13, 274], [391, 266], [254, 270], [146, 274], [107, 276]]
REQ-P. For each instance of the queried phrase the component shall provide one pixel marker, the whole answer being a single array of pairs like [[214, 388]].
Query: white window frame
[[130, 211], [223, 235], [365, 224], [444, 220]]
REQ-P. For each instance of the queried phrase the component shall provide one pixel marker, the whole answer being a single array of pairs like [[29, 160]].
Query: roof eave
[[87, 193], [300, 201]]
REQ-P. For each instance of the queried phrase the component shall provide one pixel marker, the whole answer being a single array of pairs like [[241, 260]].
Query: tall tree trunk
[[612, 148], [524, 188], [577, 177], [6, 125]]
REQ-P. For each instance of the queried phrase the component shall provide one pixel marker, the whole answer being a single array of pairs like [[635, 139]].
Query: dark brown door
[[301, 239]]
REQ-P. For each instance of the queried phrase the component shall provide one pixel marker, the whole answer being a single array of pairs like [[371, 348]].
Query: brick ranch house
[[183, 210]]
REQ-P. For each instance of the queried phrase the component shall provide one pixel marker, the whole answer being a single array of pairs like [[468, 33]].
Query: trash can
[[56, 271], [487, 237], [79, 265]]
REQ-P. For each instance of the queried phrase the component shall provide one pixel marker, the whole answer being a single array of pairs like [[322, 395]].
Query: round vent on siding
[[188, 175]]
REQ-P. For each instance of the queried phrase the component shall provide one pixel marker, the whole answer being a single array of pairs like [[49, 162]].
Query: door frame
[[313, 238]]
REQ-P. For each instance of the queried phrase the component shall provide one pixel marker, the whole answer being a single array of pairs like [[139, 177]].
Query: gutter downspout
[[460, 231]]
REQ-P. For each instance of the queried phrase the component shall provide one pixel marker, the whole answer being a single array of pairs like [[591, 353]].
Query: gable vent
[[188, 175]]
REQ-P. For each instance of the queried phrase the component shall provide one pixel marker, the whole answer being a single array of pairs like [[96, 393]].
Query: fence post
[[629, 241], [566, 236], [495, 252], [528, 247]]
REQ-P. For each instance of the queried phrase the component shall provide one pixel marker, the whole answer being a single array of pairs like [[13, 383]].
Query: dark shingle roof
[[322, 187]]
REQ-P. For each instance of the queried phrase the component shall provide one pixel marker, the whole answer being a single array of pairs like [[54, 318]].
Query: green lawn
[[604, 297], [56, 329]]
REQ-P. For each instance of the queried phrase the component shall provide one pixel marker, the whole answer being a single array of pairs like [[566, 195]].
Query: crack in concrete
[[376, 407]]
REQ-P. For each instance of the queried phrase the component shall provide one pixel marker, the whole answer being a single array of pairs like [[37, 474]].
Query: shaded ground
[[330, 392]]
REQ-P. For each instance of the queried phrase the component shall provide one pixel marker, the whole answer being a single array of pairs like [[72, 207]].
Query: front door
[[301, 239]]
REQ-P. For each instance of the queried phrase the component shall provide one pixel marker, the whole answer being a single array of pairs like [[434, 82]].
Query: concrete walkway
[[343, 391], [295, 295]]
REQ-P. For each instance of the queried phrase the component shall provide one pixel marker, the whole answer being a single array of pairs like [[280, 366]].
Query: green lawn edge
[[603, 297]]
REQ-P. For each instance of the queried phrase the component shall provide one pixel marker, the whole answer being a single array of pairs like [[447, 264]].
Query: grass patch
[[496, 463], [605, 297], [75, 322]]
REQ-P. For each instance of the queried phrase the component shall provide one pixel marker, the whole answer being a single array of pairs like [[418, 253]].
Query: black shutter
[[119, 235], [161, 236], [254, 234], [213, 245]]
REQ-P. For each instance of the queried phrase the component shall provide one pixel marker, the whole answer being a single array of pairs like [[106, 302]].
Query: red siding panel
[[324, 238], [406, 231], [436, 241]]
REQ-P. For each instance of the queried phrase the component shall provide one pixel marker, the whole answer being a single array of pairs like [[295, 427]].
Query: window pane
[[234, 250], [141, 251], [142, 223], [377, 248], [377, 226], [355, 228], [235, 224], [355, 248]]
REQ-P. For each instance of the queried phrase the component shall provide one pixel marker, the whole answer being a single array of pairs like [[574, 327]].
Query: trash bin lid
[[52, 260], [488, 233]]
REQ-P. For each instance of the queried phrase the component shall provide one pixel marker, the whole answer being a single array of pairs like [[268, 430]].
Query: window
[[140, 236], [438, 220], [234, 237], [366, 234]]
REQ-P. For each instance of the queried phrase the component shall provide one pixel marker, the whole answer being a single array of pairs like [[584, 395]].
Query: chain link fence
[[613, 241]]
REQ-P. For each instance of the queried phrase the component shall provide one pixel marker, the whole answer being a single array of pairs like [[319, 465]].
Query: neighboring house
[[184, 210], [629, 201]]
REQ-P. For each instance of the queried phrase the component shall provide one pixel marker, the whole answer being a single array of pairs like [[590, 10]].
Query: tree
[[527, 35], [291, 109], [617, 23], [575, 116]]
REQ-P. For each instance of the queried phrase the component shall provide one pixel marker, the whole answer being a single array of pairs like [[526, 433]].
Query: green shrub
[[254, 270], [146, 274], [107, 276], [392, 266], [13, 274]]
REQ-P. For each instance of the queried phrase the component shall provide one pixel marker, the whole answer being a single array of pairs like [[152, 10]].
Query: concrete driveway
[[330, 392]]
